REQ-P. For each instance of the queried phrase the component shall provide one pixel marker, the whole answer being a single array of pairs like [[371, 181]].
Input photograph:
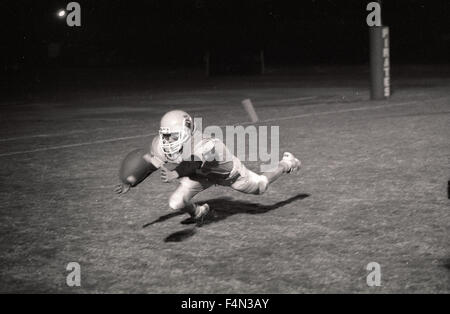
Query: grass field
[[373, 187]]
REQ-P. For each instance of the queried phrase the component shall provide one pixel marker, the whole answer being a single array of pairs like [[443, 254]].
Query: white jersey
[[218, 164]]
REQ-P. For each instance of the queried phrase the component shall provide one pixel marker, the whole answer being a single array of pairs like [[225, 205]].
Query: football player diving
[[181, 152]]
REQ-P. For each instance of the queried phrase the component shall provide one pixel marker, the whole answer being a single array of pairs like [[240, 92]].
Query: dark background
[[176, 33], [373, 183]]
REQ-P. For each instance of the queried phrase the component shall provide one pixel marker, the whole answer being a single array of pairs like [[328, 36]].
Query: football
[[134, 168]]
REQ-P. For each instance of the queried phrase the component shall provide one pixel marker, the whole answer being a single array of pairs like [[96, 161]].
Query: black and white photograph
[[245, 148]]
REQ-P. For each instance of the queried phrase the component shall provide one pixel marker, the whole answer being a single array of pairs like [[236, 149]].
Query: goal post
[[380, 84]]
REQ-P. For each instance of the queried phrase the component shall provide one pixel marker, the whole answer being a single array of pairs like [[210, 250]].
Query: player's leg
[[252, 183], [181, 198]]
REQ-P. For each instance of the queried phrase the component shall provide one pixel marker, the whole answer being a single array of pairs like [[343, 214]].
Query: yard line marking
[[77, 144], [337, 111], [51, 134], [244, 123], [294, 99], [81, 131], [285, 100]]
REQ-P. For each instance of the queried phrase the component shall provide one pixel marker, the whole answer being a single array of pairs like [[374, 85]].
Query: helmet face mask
[[176, 129], [171, 137]]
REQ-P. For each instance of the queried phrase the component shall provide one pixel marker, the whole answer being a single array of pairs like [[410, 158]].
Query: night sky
[[178, 32]]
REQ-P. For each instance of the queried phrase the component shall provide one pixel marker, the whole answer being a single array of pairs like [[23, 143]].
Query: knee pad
[[176, 201], [263, 184]]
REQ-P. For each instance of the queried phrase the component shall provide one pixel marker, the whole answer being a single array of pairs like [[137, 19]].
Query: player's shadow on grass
[[164, 218], [222, 208], [446, 263]]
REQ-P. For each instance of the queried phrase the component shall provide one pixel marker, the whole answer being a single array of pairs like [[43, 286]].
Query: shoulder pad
[[205, 149]]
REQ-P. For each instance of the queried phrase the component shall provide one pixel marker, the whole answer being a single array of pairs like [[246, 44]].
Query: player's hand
[[168, 175], [122, 188]]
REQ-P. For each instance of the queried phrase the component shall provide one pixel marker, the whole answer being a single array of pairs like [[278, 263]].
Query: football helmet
[[176, 128]]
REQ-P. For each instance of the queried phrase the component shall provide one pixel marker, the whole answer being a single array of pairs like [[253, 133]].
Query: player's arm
[[184, 169], [202, 153], [134, 169]]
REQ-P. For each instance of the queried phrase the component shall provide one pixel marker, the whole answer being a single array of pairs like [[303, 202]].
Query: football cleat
[[201, 211], [290, 163], [198, 215]]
